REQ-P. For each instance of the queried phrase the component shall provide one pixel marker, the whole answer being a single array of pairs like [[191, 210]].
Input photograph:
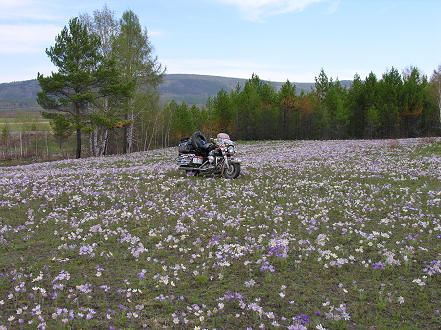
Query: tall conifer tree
[[82, 75]]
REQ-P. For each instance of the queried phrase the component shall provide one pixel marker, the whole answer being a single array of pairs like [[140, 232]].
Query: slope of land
[[193, 89], [334, 234]]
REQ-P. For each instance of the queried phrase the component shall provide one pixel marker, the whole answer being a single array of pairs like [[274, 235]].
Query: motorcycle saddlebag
[[185, 146]]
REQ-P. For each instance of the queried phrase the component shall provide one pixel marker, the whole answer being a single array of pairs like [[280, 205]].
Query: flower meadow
[[312, 235]]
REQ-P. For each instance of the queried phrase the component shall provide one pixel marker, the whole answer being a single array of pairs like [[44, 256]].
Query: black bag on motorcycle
[[185, 146]]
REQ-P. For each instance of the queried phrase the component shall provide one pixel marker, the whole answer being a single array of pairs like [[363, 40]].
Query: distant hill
[[195, 89], [19, 95], [191, 88]]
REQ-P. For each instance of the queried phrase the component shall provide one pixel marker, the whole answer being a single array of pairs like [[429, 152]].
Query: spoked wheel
[[233, 171]]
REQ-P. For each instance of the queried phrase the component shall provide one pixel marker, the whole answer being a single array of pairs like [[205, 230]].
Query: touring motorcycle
[[215, 156]]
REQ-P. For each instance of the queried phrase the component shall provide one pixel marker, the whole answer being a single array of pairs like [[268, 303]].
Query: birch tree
[[104, 24], [133, 54]]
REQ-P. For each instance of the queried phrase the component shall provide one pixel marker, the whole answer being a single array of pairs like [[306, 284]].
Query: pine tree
[[287, 104], [414, 84], [82, 74]]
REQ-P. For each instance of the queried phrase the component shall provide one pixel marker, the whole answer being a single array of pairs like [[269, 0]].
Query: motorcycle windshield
[[223, 136]]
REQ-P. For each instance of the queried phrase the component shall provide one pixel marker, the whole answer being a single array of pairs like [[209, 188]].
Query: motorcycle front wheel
[[232, 172]]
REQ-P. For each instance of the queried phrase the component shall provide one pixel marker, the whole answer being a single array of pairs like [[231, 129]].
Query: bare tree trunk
[[77, 121], [104, 143], [146, 137], [163, 136], [439, 89], [78, 153], [47, 148], [91, 150], [95, 141], [153, 131], [101, 145], [21, 146], [168, 130], [142, 132], [125, 138], [167, 136], [130, 132]]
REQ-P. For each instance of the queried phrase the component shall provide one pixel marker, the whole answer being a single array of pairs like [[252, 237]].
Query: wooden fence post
[[21, 146], [47, 148]]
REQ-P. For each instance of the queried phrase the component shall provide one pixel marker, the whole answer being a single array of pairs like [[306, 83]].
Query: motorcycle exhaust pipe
[[193, 169]]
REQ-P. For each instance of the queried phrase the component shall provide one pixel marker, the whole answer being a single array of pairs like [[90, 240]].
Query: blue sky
[[276, 39]]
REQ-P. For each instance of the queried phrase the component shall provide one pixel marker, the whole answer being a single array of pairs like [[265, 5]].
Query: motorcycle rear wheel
[[232, 172]]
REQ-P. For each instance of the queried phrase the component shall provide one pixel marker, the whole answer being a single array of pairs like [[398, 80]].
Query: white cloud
[[29, 38], [8, 4], [25, 9], [333, 7], [256, 10], [155, 33]]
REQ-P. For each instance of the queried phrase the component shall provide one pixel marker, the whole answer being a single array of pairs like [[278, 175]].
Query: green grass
[[17, 120], [25, 126], [200, 240]]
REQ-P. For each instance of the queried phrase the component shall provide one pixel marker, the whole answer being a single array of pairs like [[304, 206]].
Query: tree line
[[106, 89], [397, 105]]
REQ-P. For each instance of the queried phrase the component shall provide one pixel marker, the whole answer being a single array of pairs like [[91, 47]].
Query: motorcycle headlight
[[230, 150]]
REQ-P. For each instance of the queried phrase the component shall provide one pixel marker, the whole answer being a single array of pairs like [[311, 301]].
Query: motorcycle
[[197, 156]]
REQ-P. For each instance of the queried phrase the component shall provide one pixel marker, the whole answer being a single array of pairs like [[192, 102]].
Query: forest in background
[[105, 99], [397, 105]]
